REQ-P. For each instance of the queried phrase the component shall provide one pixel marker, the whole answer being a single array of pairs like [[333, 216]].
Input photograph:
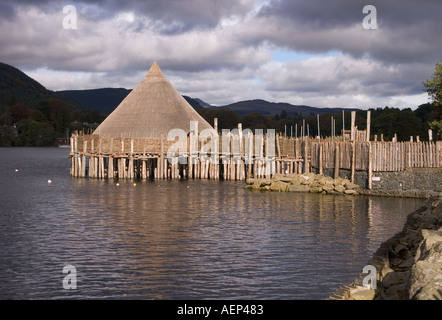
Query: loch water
[[177, 239]]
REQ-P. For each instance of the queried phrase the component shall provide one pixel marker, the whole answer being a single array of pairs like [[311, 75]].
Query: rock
[[395, 261], [351, 192], [407, 263], [278, 186], [431, 237], [250, 181], [384, 271], [279, 176], [328, 188], [397, 292], [351, 186], [339, 188], [265, 182], [365, 294], [399, 247], [298, 188], [395, 278], [429, 220], [340, 181], [427, 275], [316, 189], [256, 185]]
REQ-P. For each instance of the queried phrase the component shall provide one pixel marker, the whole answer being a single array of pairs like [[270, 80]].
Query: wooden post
[[368, 125], [352, 128], [83, 160], [278, 146], [320, 158], [319, 130], [161, 168], [353, 160], [343, 126], [110, 167], [370, 167], [305, 155], [303, 128], [337, 160]]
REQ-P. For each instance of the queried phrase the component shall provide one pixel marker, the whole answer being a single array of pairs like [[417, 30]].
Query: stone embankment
[[408, 265], [308, 182]]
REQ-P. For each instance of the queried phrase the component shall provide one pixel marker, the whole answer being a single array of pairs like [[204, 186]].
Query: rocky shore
[[408, 265], [315, 183], [308, 182]]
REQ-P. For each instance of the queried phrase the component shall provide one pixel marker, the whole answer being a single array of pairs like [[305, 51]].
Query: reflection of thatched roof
[[153, 106]]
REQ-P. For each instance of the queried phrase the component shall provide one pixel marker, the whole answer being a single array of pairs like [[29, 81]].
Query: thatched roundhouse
[[152, 107]]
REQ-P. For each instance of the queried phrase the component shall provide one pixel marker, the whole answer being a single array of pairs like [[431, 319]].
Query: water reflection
[[206, 239], [178, 239]]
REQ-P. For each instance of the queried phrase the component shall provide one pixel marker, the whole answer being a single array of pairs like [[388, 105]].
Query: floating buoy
[[188, 187], [117, 184], [135, 184], [49, 181], [16, 170]]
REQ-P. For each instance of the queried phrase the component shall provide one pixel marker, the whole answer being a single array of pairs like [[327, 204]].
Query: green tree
[[7, 136], [433, 87], [17, 112]]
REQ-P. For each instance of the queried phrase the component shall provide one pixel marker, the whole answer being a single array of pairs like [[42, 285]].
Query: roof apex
[[155, 71]]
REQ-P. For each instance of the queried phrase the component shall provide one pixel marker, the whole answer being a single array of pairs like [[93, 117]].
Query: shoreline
[[408, 265], [316, 183]]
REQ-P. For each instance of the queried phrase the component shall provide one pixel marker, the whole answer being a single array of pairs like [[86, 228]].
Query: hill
[[104, 99], [16, 86], [272, 108]]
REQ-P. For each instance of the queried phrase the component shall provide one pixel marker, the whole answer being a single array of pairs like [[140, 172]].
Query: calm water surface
[[191, 239]]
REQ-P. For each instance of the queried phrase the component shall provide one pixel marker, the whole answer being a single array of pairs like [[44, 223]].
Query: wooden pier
[[239, 155]]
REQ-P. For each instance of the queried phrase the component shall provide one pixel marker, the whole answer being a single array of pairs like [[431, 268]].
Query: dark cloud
[[225, 47], [172, 16], [6, 11], [407, 29]]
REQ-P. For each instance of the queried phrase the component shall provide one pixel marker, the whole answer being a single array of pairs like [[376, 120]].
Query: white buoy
[[117, 184], [49, 181], [16, 170]]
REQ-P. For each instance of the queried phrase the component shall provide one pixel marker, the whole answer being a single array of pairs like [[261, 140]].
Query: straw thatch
[[152, 107]]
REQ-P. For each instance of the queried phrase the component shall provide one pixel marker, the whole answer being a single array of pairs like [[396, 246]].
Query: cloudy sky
[[312, 52]]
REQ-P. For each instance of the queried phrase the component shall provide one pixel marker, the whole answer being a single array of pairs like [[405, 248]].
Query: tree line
[[39, 126], [386, 121]]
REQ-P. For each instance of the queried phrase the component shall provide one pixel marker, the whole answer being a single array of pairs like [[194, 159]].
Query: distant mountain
[[272, 108], [16, 86], [195, 103], [104, 99], [203, 104], [107, 99]]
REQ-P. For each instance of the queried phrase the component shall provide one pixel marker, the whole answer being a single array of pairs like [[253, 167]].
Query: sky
[[317, 53]]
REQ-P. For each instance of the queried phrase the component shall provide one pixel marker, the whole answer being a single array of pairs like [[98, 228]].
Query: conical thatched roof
[[153, 106]]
